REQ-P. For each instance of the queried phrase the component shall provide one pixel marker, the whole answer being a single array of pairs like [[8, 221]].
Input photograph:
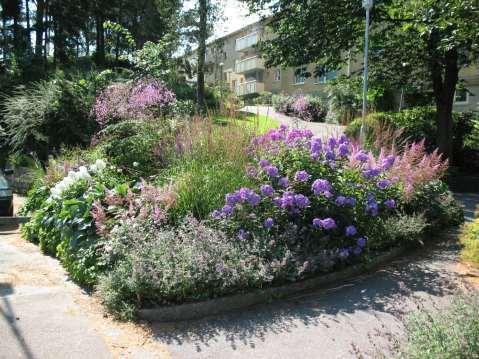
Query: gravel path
[[322, 130]]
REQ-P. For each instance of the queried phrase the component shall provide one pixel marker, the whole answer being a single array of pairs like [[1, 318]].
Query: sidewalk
[[318, 128]]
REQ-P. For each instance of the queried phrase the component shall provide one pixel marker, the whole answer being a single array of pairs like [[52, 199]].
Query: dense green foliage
[[414, 124], [470, 241], [449, 333]]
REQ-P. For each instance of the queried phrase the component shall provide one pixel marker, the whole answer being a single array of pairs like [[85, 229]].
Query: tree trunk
[[29, 29], [444, 87], [100, 41], [202, 34], [4, 35], [39, 27]]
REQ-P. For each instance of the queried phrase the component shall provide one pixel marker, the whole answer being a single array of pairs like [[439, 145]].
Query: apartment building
[[234, 60]]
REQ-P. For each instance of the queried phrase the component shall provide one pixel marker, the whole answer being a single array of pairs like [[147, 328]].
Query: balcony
[[247, 42], [249, 64], [249, 87]]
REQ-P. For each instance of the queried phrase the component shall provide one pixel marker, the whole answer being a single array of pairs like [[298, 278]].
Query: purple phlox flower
[[332, 143], [357, 250], [390, 203], [296, 137], [362, 156], [383, 184], [328, 223], [361, 242], [350, 231], [268, 223], [302, 176], [267, 190], [317, 222], [316, 145], [271, 171], [321, 186], [372, 172], [327, 194], [264, 163], [216, 214], [232, 198], [388, 162], [253, 198], [372, 207], [340, 200], [283, 182], [350, 201], [287, 201], [227, 210], [330, 155], [343, 139], [243, 234], [343, 150], [301, 201], [343, 253]]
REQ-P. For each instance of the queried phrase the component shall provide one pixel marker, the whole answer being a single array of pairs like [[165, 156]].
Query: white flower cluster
[[75, 176]]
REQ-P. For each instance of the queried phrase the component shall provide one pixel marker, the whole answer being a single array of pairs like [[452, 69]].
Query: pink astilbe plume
[[100, 218], [414, 167]]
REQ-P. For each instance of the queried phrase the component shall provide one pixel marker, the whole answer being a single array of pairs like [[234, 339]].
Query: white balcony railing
[[247, 41], [249, 87], [252, 63]]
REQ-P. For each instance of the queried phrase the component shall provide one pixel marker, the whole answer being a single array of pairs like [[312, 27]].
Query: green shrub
[[412, 125], [470, 241], [48, 115], [450, 333], [138, 148], [438, 205], [403, 229]]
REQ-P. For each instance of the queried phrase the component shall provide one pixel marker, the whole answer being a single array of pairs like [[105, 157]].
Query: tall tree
[[438, 36], [199, 23], [39, 28]]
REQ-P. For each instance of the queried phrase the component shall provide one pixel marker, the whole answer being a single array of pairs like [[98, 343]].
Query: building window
[[328, 76], [461, 97], [300, 75], [277, 75]]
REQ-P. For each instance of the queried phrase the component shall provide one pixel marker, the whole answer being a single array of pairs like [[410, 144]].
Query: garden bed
[[169, 214]]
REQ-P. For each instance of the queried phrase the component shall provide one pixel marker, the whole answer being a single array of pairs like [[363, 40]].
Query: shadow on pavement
[[7, 314], [383, 291]]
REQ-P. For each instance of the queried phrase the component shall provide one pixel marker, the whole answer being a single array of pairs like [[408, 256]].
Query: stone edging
[[259, 296]]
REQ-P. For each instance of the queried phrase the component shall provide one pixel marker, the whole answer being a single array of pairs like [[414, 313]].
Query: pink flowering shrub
[[415, 166], [143, 99]]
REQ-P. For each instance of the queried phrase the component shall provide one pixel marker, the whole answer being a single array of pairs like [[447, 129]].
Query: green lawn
[[259, 123]]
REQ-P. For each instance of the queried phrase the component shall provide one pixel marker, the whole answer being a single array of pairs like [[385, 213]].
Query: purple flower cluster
[[292, 201], [302, 176], [322, 187], [345, 201], [326, 223]]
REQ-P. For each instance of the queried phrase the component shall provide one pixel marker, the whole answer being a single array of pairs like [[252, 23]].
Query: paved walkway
[[319, 129], [44, 315]]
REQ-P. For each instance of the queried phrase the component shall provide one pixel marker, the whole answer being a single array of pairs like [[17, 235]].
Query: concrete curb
[[259, 296], [13, 221]]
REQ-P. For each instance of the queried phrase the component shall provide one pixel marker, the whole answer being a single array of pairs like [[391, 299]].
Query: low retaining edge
[[225, 304]]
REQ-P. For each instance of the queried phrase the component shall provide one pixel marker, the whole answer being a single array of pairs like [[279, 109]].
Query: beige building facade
[[235, 61]]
